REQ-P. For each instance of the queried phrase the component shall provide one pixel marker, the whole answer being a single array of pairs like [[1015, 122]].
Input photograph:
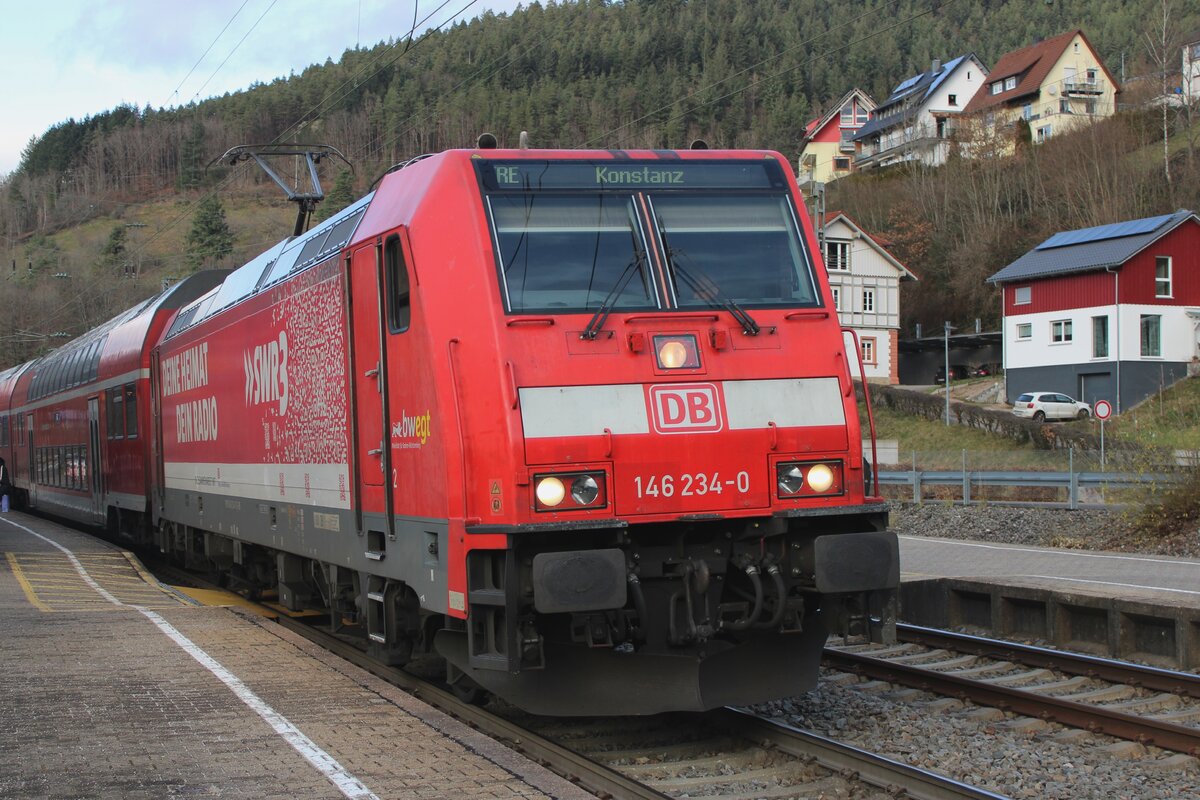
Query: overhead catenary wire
[[410, 45]]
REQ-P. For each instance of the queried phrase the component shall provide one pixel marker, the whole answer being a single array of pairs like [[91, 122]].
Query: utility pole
[[946, 374]]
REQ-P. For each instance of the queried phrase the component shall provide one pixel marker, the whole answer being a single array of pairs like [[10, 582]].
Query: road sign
[[1103, 409]]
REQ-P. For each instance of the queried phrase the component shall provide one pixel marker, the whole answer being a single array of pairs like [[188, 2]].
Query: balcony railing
[[846, 147], [1083, 87]]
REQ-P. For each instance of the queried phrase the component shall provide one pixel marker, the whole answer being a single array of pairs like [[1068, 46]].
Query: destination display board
[[657, 174]]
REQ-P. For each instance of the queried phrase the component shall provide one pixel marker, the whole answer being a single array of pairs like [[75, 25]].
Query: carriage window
[[116, 414], [399, 294], [131, 420], [740, 248], [570, 252]]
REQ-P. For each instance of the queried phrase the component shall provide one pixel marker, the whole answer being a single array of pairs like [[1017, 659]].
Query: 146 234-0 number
[[690, 484]]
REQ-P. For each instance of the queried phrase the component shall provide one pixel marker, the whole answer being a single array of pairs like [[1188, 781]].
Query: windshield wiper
[[597, 321], [707, 290]]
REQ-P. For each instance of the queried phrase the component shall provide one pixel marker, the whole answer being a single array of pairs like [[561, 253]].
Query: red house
[[1105, 313]]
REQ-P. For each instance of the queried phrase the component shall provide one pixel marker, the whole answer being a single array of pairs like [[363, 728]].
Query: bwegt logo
[[686, 408], [267, 373]]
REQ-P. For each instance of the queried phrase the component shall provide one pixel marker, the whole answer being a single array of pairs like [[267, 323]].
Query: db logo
[[686, 408]]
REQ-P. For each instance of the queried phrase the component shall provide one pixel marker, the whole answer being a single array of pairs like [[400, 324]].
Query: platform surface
[[1156, 579], [114, 687]]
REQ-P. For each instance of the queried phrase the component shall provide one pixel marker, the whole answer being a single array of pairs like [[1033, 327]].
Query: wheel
[[1039, 416], [1083, 413]]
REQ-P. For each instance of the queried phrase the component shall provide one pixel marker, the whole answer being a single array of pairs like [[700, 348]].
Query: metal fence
[[1064, 478]]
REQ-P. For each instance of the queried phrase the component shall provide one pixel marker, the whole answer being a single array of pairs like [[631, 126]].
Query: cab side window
[[399, 308]]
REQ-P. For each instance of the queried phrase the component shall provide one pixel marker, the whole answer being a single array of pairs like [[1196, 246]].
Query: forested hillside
[[644, 73]]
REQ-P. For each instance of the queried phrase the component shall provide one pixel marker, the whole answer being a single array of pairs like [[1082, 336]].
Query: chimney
[[937, 66]]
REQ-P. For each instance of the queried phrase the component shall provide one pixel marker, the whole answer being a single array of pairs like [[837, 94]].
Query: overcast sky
[[71, 58]]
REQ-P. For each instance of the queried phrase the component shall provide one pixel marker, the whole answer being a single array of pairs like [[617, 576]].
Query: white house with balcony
[[1190, 78], [865, 279], [915, 122]]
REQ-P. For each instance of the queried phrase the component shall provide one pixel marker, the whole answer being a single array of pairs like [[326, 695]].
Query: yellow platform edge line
[[30, 595], [220, 597]]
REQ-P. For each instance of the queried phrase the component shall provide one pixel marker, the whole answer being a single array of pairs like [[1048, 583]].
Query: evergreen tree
[[340, 196], [191, 153], [210, 239], [112, 256]]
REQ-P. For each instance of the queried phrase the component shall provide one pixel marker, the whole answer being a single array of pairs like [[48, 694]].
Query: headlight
[[678, 351], [820, 478], [550, 491], [585, 490], [796, 480], [570, 491]]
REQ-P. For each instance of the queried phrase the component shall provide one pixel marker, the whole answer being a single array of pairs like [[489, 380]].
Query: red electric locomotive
[[581, 422], [74, 424]]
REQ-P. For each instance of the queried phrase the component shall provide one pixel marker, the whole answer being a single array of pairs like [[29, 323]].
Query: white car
[[1040, 406]]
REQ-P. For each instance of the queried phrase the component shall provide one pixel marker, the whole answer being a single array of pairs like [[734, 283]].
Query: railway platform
[[1120, 605], [115, 686]]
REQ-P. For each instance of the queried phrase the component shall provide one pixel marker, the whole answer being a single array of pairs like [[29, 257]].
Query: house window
[[1162, 276], [1099, 337], [952, 100], [848, 114], [837, 255], [1151, 335], [997, 87], [860, 115], [1060, 331], [1091, 76], [868, 304], [1010, 83], [1077, 47], [1043, 133], [841, 164], [837, 298], [868, 350], [1089, 106], [1024, 331], [1027, 112], [1064, 106], [1022, 296]]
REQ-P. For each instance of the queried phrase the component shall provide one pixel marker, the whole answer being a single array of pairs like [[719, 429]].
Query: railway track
[[729, 753], [1129, 701]]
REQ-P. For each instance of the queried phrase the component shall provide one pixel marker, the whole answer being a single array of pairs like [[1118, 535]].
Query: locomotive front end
[[683, 512]]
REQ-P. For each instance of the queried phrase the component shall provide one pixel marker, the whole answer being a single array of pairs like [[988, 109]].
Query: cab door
[[371, 455], [95, 473]]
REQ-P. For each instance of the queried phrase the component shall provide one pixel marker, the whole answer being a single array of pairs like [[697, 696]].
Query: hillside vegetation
[[643, 73]]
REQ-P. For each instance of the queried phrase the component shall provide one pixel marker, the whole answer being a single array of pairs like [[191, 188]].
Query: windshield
[[577, 236], [567, 252], [738, 248]]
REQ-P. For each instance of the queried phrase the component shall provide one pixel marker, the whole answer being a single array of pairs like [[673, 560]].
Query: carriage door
[[370, 389], [30, 461], [95, 474]]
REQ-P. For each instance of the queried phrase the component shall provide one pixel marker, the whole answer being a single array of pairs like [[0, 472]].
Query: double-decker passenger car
[[582, 422], [76, 422]]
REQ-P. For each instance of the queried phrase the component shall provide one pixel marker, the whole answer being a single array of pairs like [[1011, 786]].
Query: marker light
[[820, 478], [791, 479], [585, 490], [550, 491], [677, 351]]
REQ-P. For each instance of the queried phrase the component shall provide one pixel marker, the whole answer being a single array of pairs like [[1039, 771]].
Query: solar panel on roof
[[907, 83], [1102, 232]]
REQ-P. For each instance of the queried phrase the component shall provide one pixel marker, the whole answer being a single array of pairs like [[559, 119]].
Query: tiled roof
[[1029, 65], [1089, 249]]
